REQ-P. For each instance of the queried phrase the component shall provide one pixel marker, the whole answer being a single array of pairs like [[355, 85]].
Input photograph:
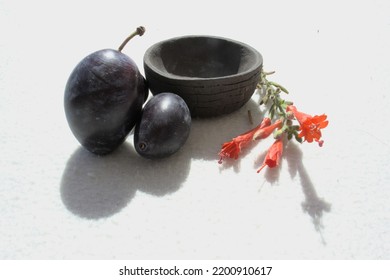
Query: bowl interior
[[203, 57]]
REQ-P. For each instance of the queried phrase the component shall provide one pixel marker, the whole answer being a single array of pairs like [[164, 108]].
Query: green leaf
[[272, 111], [299, 139], [279, 86], [264, 100]]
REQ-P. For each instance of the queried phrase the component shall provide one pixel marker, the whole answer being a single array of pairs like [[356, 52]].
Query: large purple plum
[[103, 99]]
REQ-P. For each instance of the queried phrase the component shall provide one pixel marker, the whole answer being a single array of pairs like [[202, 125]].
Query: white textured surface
[[57, 201]]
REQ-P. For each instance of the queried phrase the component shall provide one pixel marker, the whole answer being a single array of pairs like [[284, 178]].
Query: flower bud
[[290, 115]]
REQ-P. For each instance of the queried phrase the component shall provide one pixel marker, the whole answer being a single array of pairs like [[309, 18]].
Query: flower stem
[[270, 92]]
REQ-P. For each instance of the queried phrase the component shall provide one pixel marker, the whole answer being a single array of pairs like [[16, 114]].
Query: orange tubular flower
[[232, 148], [266, 131], [273, 155], [310, 126]]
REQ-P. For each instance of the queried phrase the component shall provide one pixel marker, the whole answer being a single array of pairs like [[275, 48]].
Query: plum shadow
[[95, 187]]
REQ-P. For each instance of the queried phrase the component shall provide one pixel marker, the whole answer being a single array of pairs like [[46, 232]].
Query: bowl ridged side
[[207, 99]]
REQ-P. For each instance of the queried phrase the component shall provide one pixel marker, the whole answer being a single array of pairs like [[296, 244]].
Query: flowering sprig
[[280, 122]]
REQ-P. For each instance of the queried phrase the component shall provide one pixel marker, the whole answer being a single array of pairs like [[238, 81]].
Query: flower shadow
[[96, 187], [313, 205]]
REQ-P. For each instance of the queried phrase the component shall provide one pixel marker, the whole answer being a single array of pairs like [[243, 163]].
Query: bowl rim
[[257, 62]]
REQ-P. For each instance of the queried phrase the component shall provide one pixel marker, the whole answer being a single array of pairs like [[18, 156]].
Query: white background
[[59, 202]]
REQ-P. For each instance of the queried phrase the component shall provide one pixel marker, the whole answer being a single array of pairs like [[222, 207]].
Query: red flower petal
[[266, 131], [273, 155], [232, 148], [310, 126]]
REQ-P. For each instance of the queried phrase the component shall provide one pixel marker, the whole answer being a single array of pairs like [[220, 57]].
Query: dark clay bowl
[[213, 75]]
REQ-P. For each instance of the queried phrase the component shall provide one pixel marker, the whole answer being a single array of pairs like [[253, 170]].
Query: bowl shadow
[[208, 135], [96, 187]]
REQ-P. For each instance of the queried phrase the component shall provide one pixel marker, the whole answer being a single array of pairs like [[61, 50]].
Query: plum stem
[[139, 31]]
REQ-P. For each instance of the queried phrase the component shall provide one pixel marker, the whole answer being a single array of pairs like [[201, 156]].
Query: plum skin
[[103, 100], [164, 126]]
